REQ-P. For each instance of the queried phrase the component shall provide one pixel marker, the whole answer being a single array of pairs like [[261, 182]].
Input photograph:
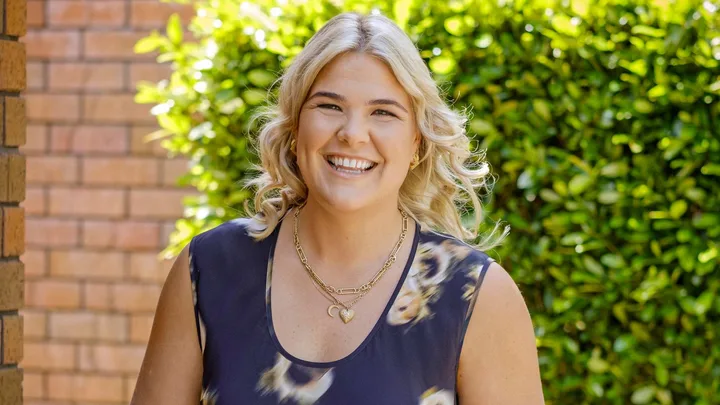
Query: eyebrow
[[380, 101]]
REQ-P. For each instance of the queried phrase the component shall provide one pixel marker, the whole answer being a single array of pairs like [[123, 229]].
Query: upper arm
[[499, 362], [171, 371]]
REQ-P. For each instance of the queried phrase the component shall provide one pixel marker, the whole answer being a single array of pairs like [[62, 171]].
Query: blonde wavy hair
[[448, 174]]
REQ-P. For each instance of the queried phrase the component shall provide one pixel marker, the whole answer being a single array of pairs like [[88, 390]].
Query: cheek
[[315, 129], [395, 144]]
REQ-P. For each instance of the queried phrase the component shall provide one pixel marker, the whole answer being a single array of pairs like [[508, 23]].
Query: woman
[[341, 289]]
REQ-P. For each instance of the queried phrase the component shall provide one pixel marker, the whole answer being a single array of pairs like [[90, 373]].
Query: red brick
[[61, 140], [160, 204], [13, 231], [111, 358], [49, 356], [153, 14], [87, 265], [35, 263], [130, 386], [35, 324], [126, 235], [113, 328], [86, 326], [173, 169], [47, 44], [85, 388], [84, 139], [96, 296], [81, 13], [165, 231], [149, 267], [150, 72], [55, 294], [123, 171], [35, 201], [52, 232], [33, 385], [36, 139], [52, 170], [138, 235], [115, 108], [140, 145], [99, 233], [36, 13], [135, 298], [88, 203], [86, 76], [36, 75], [53, 107], [113, 45], [140, 327]]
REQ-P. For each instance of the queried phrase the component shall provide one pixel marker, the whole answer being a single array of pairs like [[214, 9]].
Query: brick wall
[[100, 201], [12, 192]]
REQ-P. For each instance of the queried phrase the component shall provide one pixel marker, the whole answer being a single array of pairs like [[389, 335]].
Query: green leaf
[[542, 108], [598, 365], [615, 169], [261, 78], [442, 65], [649, 31], [643, 395], [609, 197], [678, 208], [254, 97], [174, 29], [150, 43], [579, 183], [657, 91], [662, 376], [401, 10]]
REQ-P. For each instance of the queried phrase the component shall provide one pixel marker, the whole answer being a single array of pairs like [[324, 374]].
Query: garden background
[[600, 119]]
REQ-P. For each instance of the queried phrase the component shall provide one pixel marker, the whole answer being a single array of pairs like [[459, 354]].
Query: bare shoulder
[[172, 367], [499, 363]]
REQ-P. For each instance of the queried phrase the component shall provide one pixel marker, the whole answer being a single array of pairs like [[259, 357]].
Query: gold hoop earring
[[415, 161], [293, 146]]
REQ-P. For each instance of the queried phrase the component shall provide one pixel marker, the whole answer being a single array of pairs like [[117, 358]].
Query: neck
[[349, 239]]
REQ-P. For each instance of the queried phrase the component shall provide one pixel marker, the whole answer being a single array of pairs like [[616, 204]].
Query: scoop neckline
[[370, 335]]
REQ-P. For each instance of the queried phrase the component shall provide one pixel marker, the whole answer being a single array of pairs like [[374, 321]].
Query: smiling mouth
[[350, 166]]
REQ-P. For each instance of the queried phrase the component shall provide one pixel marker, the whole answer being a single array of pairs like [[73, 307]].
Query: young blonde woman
[[352, 284]]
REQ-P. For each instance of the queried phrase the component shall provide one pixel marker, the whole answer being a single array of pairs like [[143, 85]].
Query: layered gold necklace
[[329, 292]]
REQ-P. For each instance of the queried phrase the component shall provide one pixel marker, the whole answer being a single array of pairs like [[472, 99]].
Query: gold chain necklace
[[345, 308]]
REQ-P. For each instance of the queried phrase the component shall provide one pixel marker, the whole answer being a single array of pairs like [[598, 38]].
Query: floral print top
[[410, 357]]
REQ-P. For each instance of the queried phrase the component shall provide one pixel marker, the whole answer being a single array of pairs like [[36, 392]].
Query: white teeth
[[350, 164]]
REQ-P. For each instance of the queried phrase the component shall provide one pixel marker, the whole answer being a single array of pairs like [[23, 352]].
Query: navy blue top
[[410, 356]]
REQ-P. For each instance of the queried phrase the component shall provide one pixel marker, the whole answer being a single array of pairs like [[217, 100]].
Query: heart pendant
[[346, 315]]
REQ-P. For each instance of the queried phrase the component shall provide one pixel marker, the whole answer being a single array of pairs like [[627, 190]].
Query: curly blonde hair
[[445, 179]]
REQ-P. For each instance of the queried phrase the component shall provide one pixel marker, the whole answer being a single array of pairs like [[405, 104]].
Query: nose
[[354, 131]]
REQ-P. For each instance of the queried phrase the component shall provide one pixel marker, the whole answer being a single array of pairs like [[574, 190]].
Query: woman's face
[[356, 135]]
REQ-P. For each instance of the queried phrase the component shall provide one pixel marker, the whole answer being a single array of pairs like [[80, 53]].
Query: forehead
[[361, 76]]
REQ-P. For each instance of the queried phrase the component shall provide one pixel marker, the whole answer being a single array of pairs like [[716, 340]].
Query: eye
[[330, 107], [385, 113]]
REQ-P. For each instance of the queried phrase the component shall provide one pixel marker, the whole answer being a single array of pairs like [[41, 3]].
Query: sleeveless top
[[410, 356]]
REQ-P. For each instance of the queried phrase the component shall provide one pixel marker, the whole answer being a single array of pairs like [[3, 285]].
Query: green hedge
[[601, 119]]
